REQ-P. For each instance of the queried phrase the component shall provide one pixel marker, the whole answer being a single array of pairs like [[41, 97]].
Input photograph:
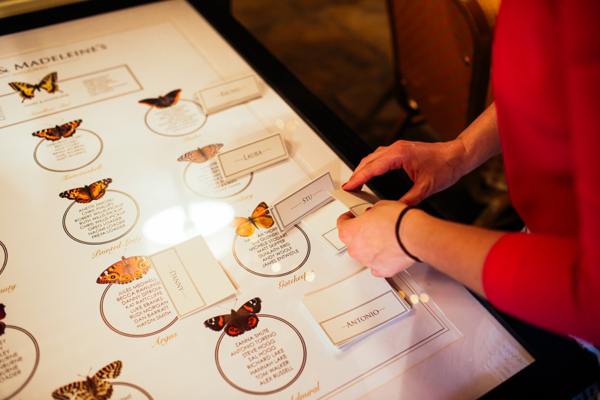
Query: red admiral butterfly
[[2, 316], [238, 322]]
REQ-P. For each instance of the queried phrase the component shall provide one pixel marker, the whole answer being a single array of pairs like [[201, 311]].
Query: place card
[[192, 276], [356, 201], [323, 223], [354, 307], [252, 156], [302, 202], [226, 95]]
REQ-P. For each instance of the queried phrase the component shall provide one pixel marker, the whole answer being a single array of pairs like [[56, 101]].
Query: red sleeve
[[554, 281]]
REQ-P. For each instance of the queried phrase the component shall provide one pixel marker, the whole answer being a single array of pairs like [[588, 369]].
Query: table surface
[[561, 370]]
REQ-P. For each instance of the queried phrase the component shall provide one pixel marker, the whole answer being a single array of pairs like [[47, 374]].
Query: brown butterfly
[[87, 193], [260, 218], [2, 316], [202, 154], [168, 100], [26, 90], [125, 271], [238, 322], [59, 131], [94, 387]]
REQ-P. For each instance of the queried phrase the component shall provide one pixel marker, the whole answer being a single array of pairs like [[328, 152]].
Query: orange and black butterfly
[[202, 154], [27, 90], [87, 193], [168, 100], [125, 271], [59, 131], [2, 316], [94, 387], [238, 322], [260, 218]]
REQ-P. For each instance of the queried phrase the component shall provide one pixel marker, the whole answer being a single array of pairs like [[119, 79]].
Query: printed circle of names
[[3, 257], [18, 347], [101, 221], [205, 180], [138, 309], [262, 361], [183, 118], [270, 253], [69, 154]]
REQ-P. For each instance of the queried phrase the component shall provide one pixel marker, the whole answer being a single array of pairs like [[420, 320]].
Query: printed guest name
[[253, 155], [362, 318]]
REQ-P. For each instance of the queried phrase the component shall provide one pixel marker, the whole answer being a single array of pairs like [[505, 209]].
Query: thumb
[[415, 195]]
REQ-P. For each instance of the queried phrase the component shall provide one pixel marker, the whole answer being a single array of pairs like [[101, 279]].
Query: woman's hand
[[431, 166], [371, 238]]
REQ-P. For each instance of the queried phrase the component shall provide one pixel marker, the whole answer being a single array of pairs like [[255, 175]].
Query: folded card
[[356, 201], [252, 156], [355, 307], [229, 94], [192, 276], [323, 223]]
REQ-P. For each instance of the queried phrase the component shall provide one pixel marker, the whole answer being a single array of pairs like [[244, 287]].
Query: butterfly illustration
[[26, 90], [2, 316], [59, 131], [238, 322], [94, 387], [168, 100], [87, 193], [125, 271], [202, 154], [260, 218]]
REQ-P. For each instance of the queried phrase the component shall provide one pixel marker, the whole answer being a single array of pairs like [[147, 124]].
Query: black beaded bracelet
[[402, 213]]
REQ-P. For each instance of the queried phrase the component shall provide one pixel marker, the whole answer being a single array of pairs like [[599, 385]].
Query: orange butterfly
[[59, 131], [27, 90], [260, 218], [87, 193], [125, 271], [168, 100], [202, 154], [94, 387]]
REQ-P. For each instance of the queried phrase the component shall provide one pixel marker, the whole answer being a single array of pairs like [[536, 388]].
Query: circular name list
[[68, 154], [181, 119], [205, 180], [271, 253], [101, 221], [265, 360], [3, 257], [138, 309], [19, 358]]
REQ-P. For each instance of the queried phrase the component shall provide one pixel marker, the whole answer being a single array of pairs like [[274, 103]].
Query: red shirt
[[546, 81]]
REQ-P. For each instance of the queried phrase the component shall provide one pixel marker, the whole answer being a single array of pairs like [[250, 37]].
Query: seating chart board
[[109, 167]]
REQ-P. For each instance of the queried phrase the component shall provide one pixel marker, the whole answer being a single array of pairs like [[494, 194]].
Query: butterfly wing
[[244, 227], [169, 99], [68, 391], [68, 129], [195, 156], [49, 134], [2, 311], [111, 371], [261, 216], [151, 102], [97, 189], [211, 150], [102, 390], [125, 271], [25, 89], [245, 318], [80, 195], [217, 323], [48, 83]]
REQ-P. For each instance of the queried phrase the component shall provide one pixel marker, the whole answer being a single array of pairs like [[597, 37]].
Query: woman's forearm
[[455, 249]]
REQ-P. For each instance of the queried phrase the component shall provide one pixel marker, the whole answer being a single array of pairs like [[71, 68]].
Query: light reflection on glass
[[176, 224], [310, 276], [276, 267], [424, 297], [414, 299]]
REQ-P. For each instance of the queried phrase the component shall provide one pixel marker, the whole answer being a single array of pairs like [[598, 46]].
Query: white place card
[[357, 201], [229, 94], [323, 223], [192, 276], [303, 202], [354, 307], [252, 156]]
